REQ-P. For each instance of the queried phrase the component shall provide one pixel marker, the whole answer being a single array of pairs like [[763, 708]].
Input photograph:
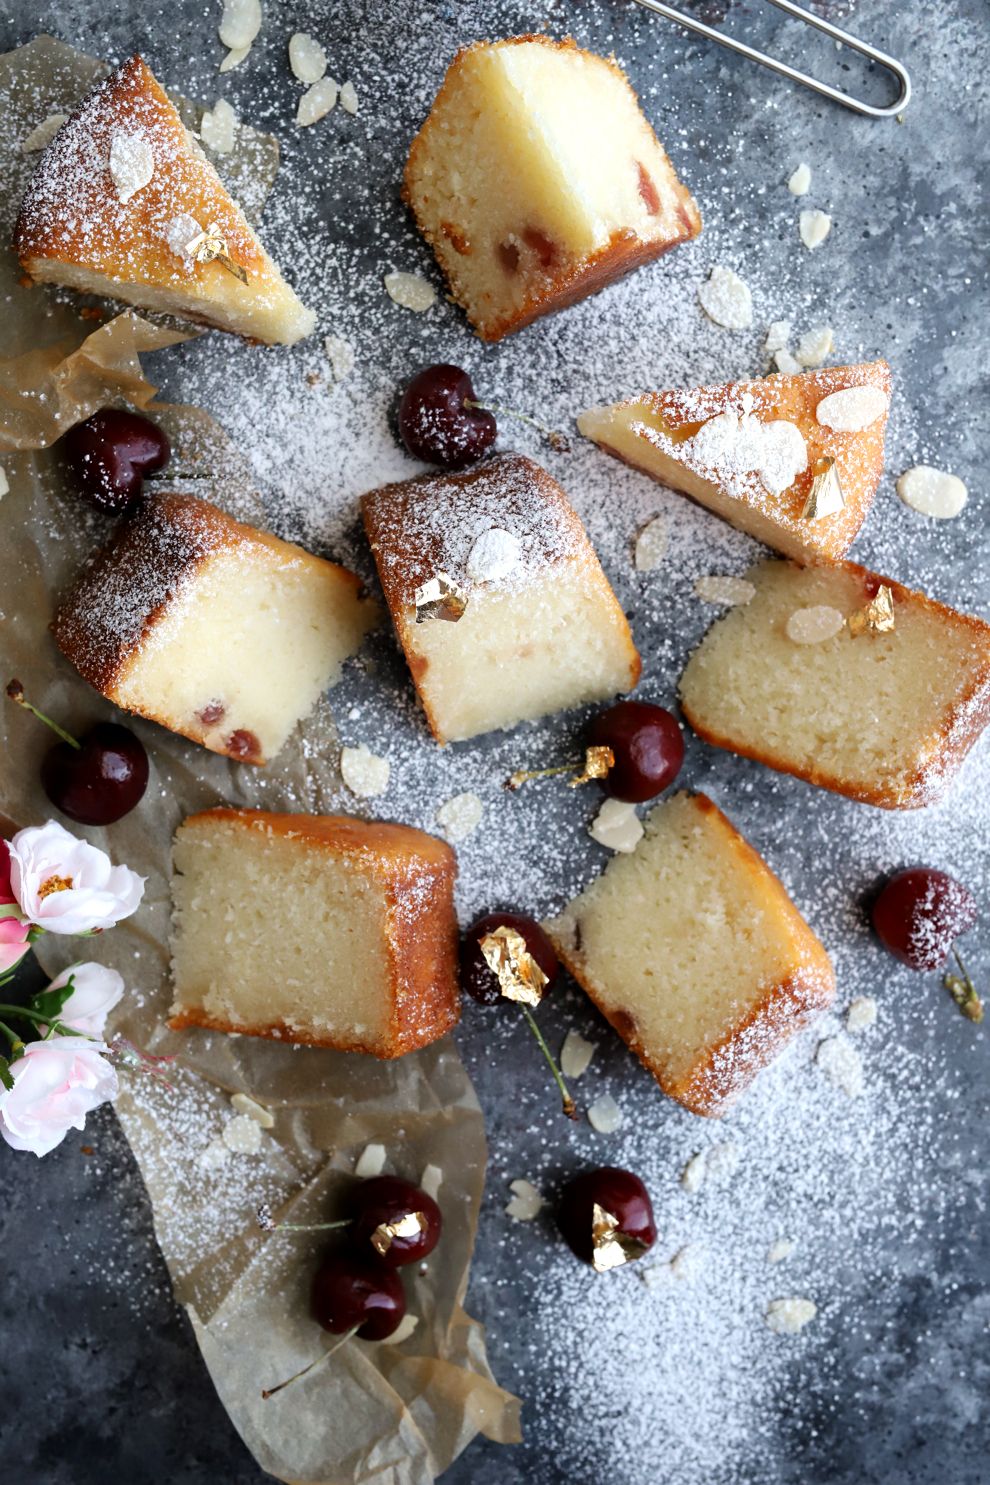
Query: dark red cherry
[[919, 913], [101, 780], [436, 426], [478, 980], [109, 455], [384, 1202], [648, 748], [347, 1292], [617, 1192]]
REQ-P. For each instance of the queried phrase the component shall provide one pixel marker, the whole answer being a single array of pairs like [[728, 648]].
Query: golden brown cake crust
[[966, 719], [726, 1069], [417, 873], [409, 551], [127, 588], [71, 210], [570, 283]]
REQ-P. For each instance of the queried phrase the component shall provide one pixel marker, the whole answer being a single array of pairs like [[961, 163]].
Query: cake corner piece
[[710, 984], [323, 930]]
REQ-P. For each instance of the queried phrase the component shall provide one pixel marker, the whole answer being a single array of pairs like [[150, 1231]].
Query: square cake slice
[[694, 952], [537, 181], [118, 197], [803, 681], [220, 632], [750, 451], [314, 928], [542, 629]]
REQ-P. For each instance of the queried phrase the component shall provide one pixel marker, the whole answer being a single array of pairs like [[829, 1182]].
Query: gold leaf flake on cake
[[877, 617], [826, 497], [610, 1247], [386, 1232], [597, 762], [440, 598], [210, 245], [519, 976]]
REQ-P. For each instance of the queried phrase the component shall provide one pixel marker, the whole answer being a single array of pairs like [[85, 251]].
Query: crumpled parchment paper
[[397, 1415]]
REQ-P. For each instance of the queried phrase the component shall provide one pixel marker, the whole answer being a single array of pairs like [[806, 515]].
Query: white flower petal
[[99, 894], [95, 991], [56, 1084]]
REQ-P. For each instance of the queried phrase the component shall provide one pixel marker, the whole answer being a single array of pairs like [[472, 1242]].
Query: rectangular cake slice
[[750, 451], [119, 197], [216, 630], [537, 181], [314, 928], [883, 714], [694, 952], [542, 629]]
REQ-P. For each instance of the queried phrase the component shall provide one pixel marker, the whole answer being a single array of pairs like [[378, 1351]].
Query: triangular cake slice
[[117, 197], [751, 451], [846, 679]]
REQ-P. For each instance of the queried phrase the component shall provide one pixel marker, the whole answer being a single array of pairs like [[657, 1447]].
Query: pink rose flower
[[56, 1083], [66, 885], [95, 992], [6, 895], [13, 942]]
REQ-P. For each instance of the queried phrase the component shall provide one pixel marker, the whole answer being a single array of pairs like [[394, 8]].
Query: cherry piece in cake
[[395, 1222], [647, 745], [606, 1217], [109, 455], [436, 425], [349, 1293], [478, 979], [920, 913]]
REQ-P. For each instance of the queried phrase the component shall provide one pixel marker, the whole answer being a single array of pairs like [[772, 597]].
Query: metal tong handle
[[837, 96]]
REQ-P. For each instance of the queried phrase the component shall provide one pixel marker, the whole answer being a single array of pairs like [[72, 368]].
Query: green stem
[[271, 1391], [16, 1045], [16, 693], [311, 1227], [20, 1010], [556, 440], [570, 1108]]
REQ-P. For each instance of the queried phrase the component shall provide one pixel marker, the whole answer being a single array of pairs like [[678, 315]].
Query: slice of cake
[[751, 451], [125, 203], [694, 952], [534, 627], [537, 181], [821, 675], [214, 629], [314, 928]]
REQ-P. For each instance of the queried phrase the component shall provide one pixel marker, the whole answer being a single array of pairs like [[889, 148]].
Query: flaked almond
[[605, 1115], [526, 1201], [841, 1064], [217, 127], [812, 626], [349, 98], [234, 57], [340, 354], [575, 1054], [409, 290], [778, 334], [371, 1162], [307, 58], [799, 183], [431, 1180], [729, 590], [132, 163], [788, 1316], [242, 1134], [932, 493], [459, 816], [41, 138], [240, 23], [365, 774], [861, 1014], [617, 826], [727, 300], [785, 362], [242, 1104], [651, 544], [814, 346], [852, 409], [780, 1250], [316, 102], [814, 227]]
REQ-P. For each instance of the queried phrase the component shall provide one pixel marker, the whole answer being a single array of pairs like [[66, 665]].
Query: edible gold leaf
[[518, 974], [210, 245], [440, 598], [407, 1226], [597, 762], [877, 617], [610, 1247], [826, 498]]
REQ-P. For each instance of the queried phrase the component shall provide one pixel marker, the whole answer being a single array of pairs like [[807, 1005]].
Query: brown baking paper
[[397, 1415]]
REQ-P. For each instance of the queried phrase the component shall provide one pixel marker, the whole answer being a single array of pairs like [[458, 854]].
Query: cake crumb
[[729, 590], [617, 826], [651, 544], [861, 1014], [726, 300], [340, 354], [841, 1064], [431, 1180], [371, 1162], [932, 493], [781, 1249], [214, 1156], [526, 1203], [575, 1054], [410, 290], [364, 773], [788, 1316], [814, 227], [605, 1115], [241, 1104], [799, 183], [459, 816]]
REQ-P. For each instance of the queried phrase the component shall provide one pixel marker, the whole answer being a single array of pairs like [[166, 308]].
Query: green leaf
[[5, 1077], [48, 1003]]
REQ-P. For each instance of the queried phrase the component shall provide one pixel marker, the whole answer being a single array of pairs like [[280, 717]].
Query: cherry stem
[[964, 992], [16, 693], [304, 1227], [271, 1391], [557, 441], [520, 776], [570, 1108]]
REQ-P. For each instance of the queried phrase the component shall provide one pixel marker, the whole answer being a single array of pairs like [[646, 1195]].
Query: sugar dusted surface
[[884, 1195]]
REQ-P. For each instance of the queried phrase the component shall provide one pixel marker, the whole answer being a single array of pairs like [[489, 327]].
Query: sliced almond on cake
[[846, 679], [694, 952], [751, 451], [538, 181], [124, 203]]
